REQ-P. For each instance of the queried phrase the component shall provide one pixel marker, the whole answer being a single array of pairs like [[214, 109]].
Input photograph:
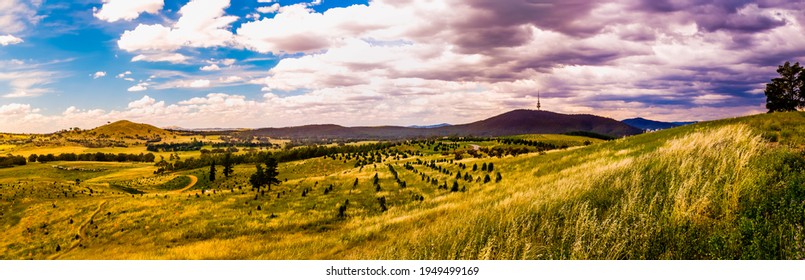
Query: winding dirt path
[[81, 232], [193, 181]]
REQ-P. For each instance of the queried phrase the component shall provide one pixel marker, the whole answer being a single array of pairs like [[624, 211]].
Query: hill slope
[[126, 129], [510, 123], [728, 189]]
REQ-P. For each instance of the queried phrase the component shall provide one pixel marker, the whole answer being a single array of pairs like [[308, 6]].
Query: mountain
[[542, 122], [430, 126], [510, 123], [127, 129], [647, 124]]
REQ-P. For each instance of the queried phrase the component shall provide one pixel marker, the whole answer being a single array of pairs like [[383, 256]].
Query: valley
[[727, 189]]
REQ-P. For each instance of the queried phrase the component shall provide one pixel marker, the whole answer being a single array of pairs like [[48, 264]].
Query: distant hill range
[[430, 126], [646, 124], [211, 129], [510, 123]]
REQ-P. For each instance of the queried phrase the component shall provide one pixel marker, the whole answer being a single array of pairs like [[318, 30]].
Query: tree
[[258, 178], [342, 210], [271, 173], [32, 158], [212, 171], [382, 202], [490, 167], [786, 93], [228, 164]]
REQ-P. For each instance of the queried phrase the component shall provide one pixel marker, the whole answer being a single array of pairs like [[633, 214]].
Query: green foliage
[[786, 93], [228, 164], [265, 177], [212, 172], [591, 135], [119, 157], [9, 161]]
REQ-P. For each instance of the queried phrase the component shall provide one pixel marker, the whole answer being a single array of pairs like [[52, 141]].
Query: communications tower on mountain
[[538, 104]]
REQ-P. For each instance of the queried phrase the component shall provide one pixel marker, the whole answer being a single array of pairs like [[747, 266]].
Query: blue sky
[[72, 45], [221, 63]]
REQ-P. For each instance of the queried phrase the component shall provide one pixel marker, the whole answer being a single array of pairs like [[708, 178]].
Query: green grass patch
[[175, 184]]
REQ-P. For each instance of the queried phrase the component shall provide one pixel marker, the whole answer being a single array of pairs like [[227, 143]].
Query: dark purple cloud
[[714, 15]]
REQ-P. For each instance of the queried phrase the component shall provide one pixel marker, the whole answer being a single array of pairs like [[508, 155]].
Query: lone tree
[[786, 93], [271, 173], [265, 177], [228, 164], [342, 210], [258, 178], [212, 171]]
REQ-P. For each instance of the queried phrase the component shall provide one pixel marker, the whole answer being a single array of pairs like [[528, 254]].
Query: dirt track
[[81, 232], [193, 181]]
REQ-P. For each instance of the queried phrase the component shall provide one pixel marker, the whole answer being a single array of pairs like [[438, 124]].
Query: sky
[[276, 63]]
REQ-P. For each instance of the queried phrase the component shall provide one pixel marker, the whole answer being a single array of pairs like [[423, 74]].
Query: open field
[[729, 189]]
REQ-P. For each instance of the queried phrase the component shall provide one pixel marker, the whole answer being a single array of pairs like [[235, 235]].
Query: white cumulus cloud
[[211, 67], [199, 84], [114, 10], [160, 57], [6, 40], [139, 87], [203, 23], [123, 75], [99, 74], [269, 9]]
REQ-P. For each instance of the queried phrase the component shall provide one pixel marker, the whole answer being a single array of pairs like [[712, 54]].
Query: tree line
[[299, 153], [120, 157], [175, 147], [11, 161]]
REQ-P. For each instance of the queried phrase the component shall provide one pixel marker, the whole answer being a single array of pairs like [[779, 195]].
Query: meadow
[[727, 189]]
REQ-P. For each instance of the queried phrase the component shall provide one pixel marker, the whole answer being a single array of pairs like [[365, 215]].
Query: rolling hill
[[127, 129], [510, 123]]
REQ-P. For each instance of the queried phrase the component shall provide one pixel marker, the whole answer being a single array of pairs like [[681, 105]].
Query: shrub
[[382, 202]]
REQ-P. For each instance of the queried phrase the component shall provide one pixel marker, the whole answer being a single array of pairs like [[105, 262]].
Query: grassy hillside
[[729, 189], [717, 190], [126, 129]]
